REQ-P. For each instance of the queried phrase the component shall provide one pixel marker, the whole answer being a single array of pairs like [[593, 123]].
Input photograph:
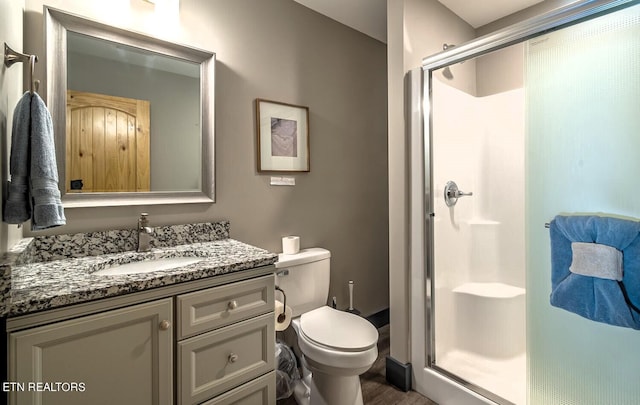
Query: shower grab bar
[[11, 57]]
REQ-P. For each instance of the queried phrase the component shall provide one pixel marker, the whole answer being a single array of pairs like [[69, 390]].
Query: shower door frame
[[428, 379]]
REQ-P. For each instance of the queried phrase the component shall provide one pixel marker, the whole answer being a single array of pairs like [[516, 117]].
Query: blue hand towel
[[17, 208], [45, 195], [33, 191], [599, 299]]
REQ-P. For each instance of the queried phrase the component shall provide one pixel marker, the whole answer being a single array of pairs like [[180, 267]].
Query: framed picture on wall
[[283, 136]]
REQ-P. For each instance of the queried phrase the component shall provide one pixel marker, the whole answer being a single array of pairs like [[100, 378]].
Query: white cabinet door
[[122, 356]]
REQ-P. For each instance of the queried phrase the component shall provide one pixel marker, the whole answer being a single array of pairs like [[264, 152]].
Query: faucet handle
[[144, 219]]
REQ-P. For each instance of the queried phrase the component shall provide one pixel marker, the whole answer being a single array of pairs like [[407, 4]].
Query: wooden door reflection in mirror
[[107, 143]]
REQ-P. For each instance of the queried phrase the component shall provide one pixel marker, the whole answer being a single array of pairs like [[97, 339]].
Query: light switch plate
[[283, 181]]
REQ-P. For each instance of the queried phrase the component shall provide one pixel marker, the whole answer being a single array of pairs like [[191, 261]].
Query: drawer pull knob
[[233, 358], [232, 304], [164, 325]]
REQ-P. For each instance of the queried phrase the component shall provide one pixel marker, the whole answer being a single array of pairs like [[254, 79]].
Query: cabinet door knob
[[232, 304], [233, 358], [164, 325]]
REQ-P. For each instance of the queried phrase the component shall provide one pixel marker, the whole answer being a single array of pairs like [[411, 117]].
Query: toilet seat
[[338, 330]]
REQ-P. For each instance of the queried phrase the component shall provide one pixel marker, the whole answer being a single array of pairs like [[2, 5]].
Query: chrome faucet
[[144, 232]]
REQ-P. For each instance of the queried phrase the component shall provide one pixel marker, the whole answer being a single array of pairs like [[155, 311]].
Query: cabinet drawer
[[215, 362], [261, 391], [209, 309]]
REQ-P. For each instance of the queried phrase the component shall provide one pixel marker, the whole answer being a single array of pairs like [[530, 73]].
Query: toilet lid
[[337, 329]]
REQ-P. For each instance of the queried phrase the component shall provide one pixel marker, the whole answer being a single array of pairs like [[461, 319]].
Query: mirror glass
[[133, 115]]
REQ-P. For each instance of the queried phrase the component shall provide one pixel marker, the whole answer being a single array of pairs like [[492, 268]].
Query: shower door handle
[[452, 193]]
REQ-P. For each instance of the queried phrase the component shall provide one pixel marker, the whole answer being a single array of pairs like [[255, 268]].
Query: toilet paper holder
[[282, 316]]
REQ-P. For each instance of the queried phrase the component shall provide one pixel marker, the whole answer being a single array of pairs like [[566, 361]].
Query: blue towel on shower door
[[598, 299]]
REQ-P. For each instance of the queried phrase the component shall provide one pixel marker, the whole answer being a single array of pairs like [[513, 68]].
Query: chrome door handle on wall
[[452, 193]]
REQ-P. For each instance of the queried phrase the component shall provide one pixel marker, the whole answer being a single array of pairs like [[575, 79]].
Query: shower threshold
[[502, 377]]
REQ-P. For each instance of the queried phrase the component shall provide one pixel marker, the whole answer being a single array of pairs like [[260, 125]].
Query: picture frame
[[282, 136]]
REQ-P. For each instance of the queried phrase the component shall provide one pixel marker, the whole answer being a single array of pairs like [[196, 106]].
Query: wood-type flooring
[[375, 389]]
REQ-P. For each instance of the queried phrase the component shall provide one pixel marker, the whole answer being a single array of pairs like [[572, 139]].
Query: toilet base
[[301, 388], [335, 390], [318, 388]]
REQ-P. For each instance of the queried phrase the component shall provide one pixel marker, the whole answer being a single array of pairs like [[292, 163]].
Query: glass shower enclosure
[[477, 161], [490, 164]]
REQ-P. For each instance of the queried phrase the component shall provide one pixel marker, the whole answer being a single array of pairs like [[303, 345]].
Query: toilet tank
[[304, 277]]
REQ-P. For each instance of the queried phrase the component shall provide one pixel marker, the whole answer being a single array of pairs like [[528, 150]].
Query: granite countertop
[[68, 276]]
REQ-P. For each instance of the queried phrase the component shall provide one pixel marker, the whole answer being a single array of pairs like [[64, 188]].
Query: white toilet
[[337, 346]]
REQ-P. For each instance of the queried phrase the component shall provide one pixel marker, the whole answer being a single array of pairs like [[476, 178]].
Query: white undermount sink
[[147, 266]]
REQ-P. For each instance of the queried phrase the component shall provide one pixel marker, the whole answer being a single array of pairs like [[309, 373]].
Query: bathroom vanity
[[200, 333]]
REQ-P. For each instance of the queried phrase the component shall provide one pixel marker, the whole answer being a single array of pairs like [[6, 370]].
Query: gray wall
[[10, 92], [279, 50], [503, 70], [500, 71], [416, 29]]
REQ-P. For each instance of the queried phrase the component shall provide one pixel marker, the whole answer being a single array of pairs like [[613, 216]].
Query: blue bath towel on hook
[[33, 190], [606, 300]]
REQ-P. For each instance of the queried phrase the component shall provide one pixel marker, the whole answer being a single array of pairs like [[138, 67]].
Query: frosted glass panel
[[583, 145]]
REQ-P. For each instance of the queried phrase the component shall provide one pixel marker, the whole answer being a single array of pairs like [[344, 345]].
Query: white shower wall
[[478, 142]]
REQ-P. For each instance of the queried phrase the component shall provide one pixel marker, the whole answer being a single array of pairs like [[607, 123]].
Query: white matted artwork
[[283, 137]]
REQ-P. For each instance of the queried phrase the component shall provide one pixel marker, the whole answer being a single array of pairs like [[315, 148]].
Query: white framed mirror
[[133, 115]]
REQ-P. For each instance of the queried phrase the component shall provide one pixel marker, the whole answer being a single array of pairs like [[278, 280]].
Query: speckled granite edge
[[65, 246], [46, 285], [46, 272], [7, 261], [5, 289]]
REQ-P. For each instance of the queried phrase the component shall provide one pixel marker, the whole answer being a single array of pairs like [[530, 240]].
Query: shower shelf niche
[[490, 290], [483, 222]]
